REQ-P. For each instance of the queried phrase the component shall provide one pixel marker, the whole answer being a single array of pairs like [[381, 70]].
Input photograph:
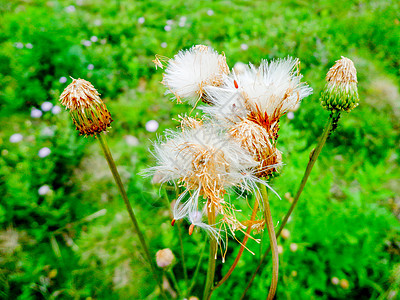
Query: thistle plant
[[91, 118], [233, 147]]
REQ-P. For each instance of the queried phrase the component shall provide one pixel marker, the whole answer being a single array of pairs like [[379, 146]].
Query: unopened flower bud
[[341, 92], [88, 111], [344, 284], [164, 257]]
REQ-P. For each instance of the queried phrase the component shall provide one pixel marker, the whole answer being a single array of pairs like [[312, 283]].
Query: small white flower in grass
[[141, 20], [152, 126], [335, 280], [294, 247], [29, 46], [86, 43], [164, 258], [280, 249], [290, 115], [190, 71], [47, 131], [97, 22], [56, 110], [46, 106], [131, 140], [44, 152], [79, 2], [90, 66], [210, 12], [19, 45], [164, 45], [70, 9], [44, 190], [285, 234], [244, 47], [63, 79], [94, 38], [16, 138], [167, 28], [170, 22], [36, 113], [182, 21]]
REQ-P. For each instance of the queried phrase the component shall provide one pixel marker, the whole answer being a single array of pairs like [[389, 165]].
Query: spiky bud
[[341, 92], [88, 111], [164, 258]]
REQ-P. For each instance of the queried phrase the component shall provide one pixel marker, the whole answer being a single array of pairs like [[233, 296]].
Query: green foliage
[[75, 241]]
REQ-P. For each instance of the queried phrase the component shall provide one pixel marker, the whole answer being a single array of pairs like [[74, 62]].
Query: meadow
[[64, 232]]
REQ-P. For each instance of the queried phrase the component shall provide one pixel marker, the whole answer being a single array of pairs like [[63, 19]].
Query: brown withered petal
[[88, 111]]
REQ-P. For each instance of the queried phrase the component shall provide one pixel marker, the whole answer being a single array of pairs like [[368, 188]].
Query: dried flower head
[[256, 139], [206, 162], [191, 70], [88, 111], [341, 93], [164, 257]]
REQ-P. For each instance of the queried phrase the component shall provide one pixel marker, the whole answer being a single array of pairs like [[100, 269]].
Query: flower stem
[[242, 247], [196, 272], [211, 259], [329, 127], [172, 275], [118, 181], [182, 254], [274, 245]]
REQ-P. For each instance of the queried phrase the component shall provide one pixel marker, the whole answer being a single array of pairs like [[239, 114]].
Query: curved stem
[[273, 243], [118, 181], [211, 259], [242, 247], [331, 124]]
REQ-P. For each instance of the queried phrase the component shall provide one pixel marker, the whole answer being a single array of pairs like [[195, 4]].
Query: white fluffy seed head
[[272, 89], [191, 70]]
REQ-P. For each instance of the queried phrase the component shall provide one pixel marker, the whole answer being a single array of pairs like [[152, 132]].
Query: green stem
[[331, 124], [118, 181], [172, 275], [196, 272], [178, 224], [211, 259], [182, 254], [273, 243]]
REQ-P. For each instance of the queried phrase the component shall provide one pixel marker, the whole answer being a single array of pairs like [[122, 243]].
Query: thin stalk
[[172, 275], [196, 272], [211, 259], [178, 224], [273, 243], [118, 181], [242, 247], [329, 127], [182, 255]]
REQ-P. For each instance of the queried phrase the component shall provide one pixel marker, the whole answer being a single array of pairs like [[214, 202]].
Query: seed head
[[164, 257], [88, 111], [341, 92]]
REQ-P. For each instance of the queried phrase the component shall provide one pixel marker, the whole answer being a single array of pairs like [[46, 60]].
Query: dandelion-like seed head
[[341, 93], [191, 70], [88, 111]]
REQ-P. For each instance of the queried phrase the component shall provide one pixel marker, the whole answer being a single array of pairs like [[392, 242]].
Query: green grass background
[[346, 224]]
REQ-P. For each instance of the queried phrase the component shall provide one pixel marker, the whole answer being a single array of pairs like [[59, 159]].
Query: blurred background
[[64, 231]]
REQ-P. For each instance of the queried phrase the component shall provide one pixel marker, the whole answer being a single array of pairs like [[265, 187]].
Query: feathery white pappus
[[273, 88], [189, 71], [206, 162]]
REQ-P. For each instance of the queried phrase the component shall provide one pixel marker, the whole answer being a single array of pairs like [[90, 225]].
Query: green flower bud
[[341, 92]]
